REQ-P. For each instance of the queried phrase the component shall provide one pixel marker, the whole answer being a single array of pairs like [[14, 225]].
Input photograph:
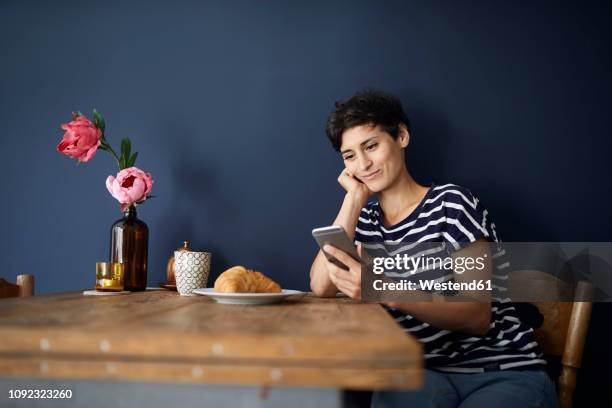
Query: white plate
[[101, 293], [246, 298]]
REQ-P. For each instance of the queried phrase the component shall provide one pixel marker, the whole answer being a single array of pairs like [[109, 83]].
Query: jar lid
[[185, 247]]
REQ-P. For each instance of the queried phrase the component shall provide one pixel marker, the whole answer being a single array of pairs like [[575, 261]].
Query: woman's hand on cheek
[[347, 281], [353, 186]]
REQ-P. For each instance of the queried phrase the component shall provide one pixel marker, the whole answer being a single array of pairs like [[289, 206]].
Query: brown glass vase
[[129, 245]]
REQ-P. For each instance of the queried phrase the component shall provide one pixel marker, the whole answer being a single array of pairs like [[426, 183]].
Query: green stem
[[109, 149]]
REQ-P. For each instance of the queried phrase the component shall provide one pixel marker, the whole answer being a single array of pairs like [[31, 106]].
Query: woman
[[476, 353]]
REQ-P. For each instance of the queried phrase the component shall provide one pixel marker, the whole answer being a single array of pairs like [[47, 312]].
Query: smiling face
[[373, 156]]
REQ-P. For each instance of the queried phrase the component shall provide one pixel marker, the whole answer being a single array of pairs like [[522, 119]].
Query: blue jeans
[[498, 389]]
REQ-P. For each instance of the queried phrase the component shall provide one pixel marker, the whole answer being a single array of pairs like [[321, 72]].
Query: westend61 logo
[[413, 264], [519, 271]]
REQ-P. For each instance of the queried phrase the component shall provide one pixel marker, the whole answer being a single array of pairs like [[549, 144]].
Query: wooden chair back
[[24, 287], [564, 329]]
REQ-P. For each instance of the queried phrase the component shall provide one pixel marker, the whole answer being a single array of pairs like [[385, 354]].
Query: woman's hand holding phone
[[347, 281]]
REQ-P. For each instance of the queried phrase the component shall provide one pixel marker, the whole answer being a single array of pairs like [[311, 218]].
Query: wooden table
[[158, 336]]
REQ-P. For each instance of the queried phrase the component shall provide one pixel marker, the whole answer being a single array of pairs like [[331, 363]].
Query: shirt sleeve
[[367, 225], [467, 220]]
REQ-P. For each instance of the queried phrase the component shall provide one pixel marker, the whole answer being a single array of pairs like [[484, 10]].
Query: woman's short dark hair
[[368, 107]]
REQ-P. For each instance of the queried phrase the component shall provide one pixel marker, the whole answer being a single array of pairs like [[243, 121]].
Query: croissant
[[243, 280]]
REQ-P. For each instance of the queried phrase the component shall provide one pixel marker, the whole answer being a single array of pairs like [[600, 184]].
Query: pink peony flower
[[81, 139], [130, 186]]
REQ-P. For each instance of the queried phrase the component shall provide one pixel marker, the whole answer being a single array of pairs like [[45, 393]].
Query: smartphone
[[335, 236]]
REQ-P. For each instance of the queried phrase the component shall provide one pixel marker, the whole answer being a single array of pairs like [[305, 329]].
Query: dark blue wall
[[226, 103]]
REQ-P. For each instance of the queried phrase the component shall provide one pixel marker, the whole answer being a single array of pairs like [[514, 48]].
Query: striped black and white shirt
[[453, 217]]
